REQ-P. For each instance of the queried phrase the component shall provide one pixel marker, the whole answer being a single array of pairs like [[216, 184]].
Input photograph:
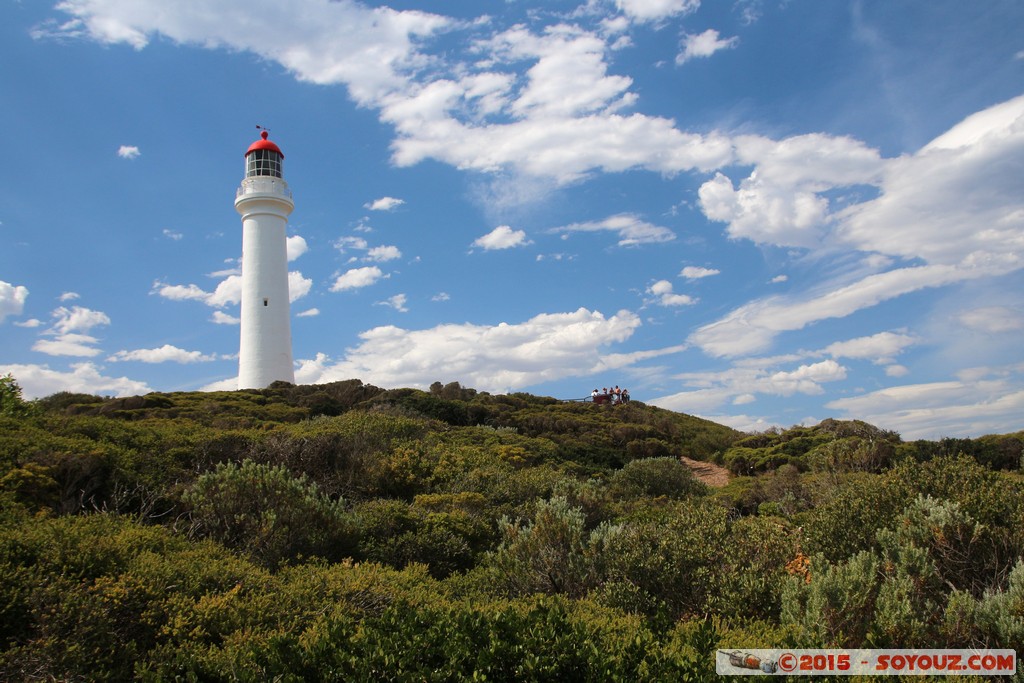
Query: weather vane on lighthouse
[[264, 202]]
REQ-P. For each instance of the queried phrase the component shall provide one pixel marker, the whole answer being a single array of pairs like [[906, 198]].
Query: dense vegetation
[[345, 532]]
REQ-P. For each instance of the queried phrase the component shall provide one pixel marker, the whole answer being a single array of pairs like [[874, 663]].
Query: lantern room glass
[[263, 162]]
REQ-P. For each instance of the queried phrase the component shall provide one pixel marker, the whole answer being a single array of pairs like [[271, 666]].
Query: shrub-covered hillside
[[345, 532]]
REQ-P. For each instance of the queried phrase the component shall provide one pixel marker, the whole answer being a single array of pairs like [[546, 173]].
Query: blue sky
[[763, 213]]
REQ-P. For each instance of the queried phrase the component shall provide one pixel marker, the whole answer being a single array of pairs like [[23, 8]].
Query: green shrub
[[836, 607], [269, 514], [673, 554], [89, 595], [11, 402], [398, 534], [996, 620], [653, 477], [846, 521], [554, 553]]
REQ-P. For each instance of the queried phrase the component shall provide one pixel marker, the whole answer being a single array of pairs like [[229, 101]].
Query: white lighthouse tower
[[264, 201]]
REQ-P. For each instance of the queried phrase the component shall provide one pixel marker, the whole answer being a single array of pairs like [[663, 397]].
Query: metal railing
[[263, 185]]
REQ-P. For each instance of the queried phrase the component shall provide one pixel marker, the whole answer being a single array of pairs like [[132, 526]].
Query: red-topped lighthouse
[[265, 202]]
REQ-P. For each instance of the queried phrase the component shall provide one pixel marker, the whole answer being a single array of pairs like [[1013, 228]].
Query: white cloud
[[806, 379], [694, 401], [662, 290], [489, 91], [896, 370], [70, 331], [222, 318], [357, 278], [708, 391], [295, 246], [643, 11], [697, 272], [502, 237], [881, 348], [570, 76], [180, 292], [704, 44], [559, 122], [69, 296], [384, 204], [228, 291], [80, 345], [128, 152], [441, 296], [955, 201], [631, 229], [379, 254], [563, 148], [779, 278], [320, 42], [491, 358], [614, 361], [781, 201], [743, 423], [298, 286], [966, 407], [383, 253], [993, 319], [30, 323], [164, 354], [171, 235], [39, 380], [752, 327], [230, 384], [347, 242], [396, 302], [308, 313], [77, 319], [12, 299], [763, 213]]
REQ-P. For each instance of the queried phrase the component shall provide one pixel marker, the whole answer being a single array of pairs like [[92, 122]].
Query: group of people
[[613, 396]]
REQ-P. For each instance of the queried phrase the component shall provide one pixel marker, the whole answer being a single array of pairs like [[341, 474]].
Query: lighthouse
[[264, 202]]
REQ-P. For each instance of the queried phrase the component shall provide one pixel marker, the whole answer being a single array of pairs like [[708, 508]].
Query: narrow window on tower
[[266, 301]]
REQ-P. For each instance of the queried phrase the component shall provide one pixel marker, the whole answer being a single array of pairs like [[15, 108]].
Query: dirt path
[[709, 473]]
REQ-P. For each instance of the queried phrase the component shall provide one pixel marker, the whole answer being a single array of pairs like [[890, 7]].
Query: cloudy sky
[[763, 212]]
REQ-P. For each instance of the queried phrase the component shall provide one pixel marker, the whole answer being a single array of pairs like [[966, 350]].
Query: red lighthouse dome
[[264, 143], [263, 158]]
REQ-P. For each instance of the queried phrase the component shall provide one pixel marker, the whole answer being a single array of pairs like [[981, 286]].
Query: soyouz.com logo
[[781, 662]]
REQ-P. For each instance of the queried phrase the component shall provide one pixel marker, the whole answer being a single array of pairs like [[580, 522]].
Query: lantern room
[[263, 158]]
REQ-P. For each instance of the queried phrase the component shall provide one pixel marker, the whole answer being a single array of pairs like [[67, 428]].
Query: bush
[[836, 607], [552, 554], [994, 620], [674, 555], [653, 477], [84, 597], [269, 514], [539, 640], [11, 402], [398, 534], [848, 519]]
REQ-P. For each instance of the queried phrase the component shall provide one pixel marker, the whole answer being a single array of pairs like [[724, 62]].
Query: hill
[[347, 532]]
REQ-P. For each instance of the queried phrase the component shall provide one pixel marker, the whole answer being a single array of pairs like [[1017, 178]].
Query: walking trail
[[709, 473]]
